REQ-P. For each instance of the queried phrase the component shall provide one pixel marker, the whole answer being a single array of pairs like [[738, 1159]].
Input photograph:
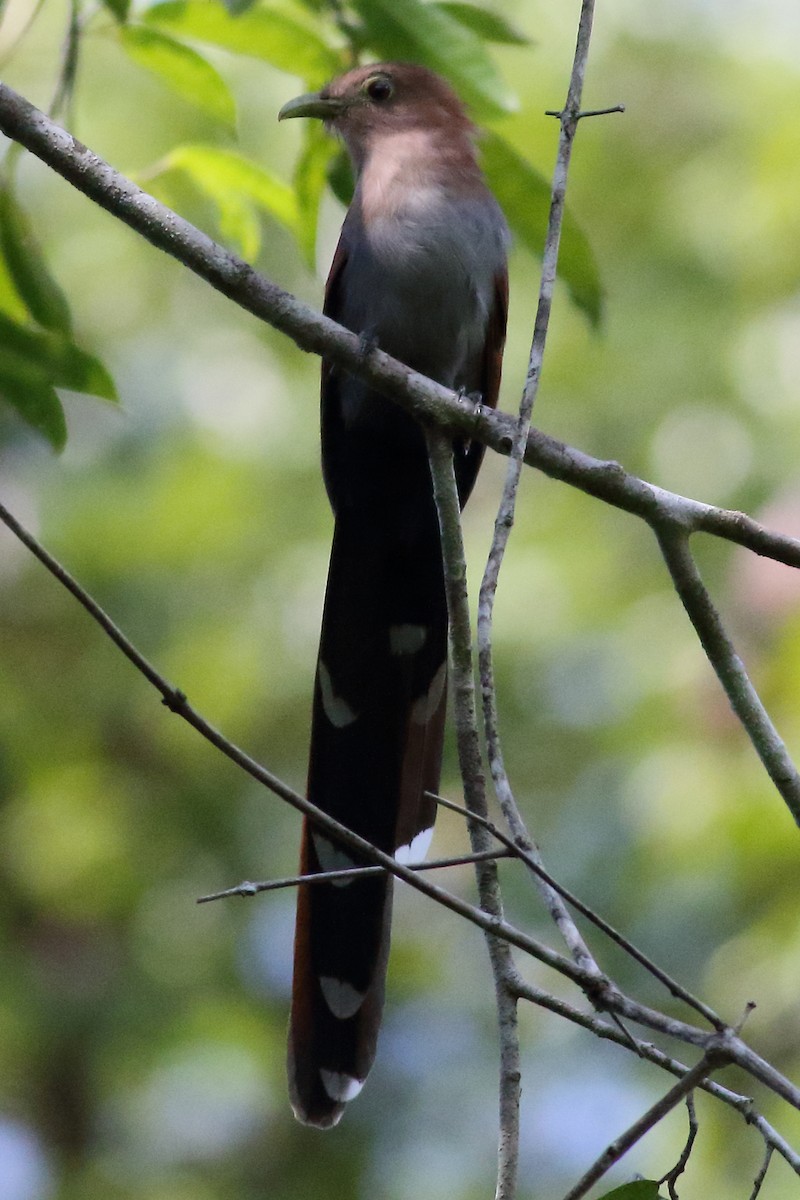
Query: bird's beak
[[327, 108]]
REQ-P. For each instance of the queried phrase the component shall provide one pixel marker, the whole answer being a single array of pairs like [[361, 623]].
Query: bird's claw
[[473, 400], [367, 342]]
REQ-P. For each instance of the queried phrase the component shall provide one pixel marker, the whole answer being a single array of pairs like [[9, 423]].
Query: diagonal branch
[[602, 993], [730, 670], [436, 406], [711, 1060], [647, 1051], [534, 865], [427, 401], [176, 701], [762, 1174]]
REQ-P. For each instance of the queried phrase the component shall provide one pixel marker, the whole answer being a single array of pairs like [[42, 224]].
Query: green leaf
[[56, 359], [235, 7], [26, 388], [236, 186], [118, 8], [27, 268], [524, 196], [310, 177], [641, 1189], [10, 301], [424, 33], [182, 69], [276, 38], [488, 25], [239, 226]]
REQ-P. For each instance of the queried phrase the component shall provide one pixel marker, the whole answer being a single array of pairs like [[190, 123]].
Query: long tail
[[376, 747]]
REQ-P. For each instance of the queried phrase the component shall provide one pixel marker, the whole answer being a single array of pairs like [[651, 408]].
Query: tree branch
[[762, 1174], [674, 1174], [672, 517], [248, 888], [505, 516], [440, 455], [535, 866], [729, 668], [602, 994], [427, 401], [176, 701], [646, 1050], [711, 1060], [314, 333]]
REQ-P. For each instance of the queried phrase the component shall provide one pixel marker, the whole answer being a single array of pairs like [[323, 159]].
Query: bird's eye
[[379, 88]]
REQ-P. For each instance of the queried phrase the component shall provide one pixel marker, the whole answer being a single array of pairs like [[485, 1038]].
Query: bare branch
[[440, 454], [586, 112], [176, 701], [729, 668], [601, 992], [710, 1061], [762, 1174], [646, 1050], [673, 1175], [248, 888], [312, 332], [534, 864], [505, 516]]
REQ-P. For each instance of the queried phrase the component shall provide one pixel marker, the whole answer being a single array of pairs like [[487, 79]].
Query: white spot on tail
[[406, 639], [423, 709], [337, 710], [341, 997], [339, 1086], [417, 848], [332, 858]]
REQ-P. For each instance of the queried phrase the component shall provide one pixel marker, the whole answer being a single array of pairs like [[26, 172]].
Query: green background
[[141, 1036]]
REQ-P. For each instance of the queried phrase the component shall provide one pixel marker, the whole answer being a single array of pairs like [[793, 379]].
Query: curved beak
[[314, 104]]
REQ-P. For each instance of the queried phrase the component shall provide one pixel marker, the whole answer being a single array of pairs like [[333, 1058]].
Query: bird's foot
[[367, 342], [471, 400]]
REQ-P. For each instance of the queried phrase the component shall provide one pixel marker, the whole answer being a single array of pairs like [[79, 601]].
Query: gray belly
[[424, 289]]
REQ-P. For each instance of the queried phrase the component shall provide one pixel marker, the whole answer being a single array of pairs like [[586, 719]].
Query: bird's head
[[381, 100]]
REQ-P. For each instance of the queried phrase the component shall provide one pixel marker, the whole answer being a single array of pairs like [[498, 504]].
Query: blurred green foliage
[[142, 1037]]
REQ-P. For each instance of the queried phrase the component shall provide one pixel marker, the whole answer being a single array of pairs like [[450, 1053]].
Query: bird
[[420, 270]]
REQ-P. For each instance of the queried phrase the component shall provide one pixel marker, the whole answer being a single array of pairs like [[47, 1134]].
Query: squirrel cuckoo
[[420, 268]]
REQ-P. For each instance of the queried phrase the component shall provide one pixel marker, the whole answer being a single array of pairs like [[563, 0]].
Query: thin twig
[[602, 993], [762, 1174], [673, 987], [586, 112], [737, 1050], [730, 670], [711, 1060], [505, 514], [600, 1028], [429, 402], [672, 1176], [176, 701], [248, 888]]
